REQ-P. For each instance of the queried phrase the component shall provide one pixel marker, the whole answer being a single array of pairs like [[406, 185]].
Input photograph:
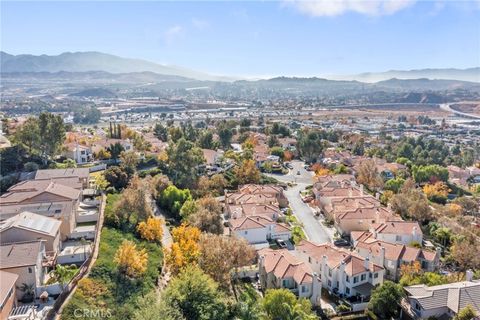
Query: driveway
[[314, 229]]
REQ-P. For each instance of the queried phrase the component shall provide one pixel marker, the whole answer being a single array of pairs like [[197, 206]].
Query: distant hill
[[93, 61], [470, 74], [95, 92], [426, 84]]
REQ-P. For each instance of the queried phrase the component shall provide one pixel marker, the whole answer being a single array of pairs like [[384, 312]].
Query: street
[[314, 229]]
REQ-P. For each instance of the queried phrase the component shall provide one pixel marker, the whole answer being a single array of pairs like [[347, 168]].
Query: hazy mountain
[[94, 61], [470, 74], [426, 84]]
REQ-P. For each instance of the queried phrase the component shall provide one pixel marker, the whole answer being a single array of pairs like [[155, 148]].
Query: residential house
[[281, 269], [267, 190], [361, 219], [44, 197], [344, 204], [258, 229], [28, 226], [82, 174], [24, 259], [393, 255], [342, 272], [403, 232], [236, 211], [443, 301], [105, 143], [8, 299], [79, 153]]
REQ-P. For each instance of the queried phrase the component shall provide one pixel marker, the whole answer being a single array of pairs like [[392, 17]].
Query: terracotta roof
[[209, 156], [252, 209], [257, 198], [395, 252], [32, 222], [284, 265], [62, 173], [26, 190], [260, 189], [251, 222], [7, 283], [19, 254], [398, 227]]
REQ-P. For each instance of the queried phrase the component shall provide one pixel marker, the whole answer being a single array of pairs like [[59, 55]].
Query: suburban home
[[105, 143], [443, 301], [236, 211], [79, 153], [25, 259], [361, 219], [8, 298], [324, 196], [281, 269], [340, 205], [211, 157], [403, 232], [82, 174], [29, 226], [393, 255], [258, 229], [267, 189], [44, 197], [342, 272]]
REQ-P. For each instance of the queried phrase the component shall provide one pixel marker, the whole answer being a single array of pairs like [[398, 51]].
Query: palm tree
[[64, 274], [28, 292]]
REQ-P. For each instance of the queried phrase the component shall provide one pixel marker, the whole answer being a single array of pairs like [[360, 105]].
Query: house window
[[347, 290], [284, 283], [30, 270], [363, 277], [347, 279], [355, 279], [329, 283], [309, 260], [246, 232], [375, 275], [329, 272], [398, 238], [338, 285], [304, 289], [417, 306]]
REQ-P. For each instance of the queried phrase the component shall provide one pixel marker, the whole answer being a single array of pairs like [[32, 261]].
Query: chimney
[[377, 195], [469, 275], [367, 263], [361, 189], [350, 192], [414, 231], [382, 254]]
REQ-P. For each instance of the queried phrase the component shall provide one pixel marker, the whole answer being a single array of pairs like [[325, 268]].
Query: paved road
[[314, 229], [446, 107]]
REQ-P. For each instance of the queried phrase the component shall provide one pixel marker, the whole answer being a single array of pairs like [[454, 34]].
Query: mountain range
[[96, 61]]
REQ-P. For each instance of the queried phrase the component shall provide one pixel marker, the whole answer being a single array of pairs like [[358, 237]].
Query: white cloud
[[172, 33], [319, 8], [200, 24]]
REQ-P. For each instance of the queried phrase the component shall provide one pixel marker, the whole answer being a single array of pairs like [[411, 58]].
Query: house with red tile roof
[[258, 229], [282, 269], [342, 272], [403, 232], [393, 255]]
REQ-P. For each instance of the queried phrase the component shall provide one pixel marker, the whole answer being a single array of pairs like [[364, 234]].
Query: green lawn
[[105, 289]]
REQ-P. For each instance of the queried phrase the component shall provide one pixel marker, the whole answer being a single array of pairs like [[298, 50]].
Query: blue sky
[[254, 38]]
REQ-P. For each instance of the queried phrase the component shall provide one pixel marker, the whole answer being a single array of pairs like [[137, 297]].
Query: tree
[[443, 235], [429, 173], [159, 183], [411, 203], [117, 177], [277, 151], [151, 230], [368, 175], [207, 216], [52, 133], [130, 160], [153, 307], [87, 115], [196, 296], [205, 140], [225, 136], [28, 135], [183, 161], [64, 273], [467, 313], [189, 207], [133, 207], [100, 182], [470, 206], [172, 199], [465, 251], [160, 132], [282, 304], [247, 172], [103, 154], [184, 250], [394, 184], [385, 300], [115, 150], [130, 261], [220, 256], [310, 145], [436, 192]]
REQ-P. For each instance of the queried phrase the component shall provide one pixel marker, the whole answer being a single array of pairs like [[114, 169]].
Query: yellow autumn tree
[[436, 192], [151, 230], [320, 172], [247, 172], [131, 261], [184, 250]]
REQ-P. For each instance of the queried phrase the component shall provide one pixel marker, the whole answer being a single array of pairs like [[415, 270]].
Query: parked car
[[341, 243], [298, 173], [288, 165], [281, 243]]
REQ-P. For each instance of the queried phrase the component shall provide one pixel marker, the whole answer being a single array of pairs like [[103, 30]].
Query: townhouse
[[342, 272], [281, 269], [29, 226], [81, 154], [361, 219], [258, 229], [8, 293], [403, 232], [393, 255]]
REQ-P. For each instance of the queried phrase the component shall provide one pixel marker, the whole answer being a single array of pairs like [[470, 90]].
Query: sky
[[255, 38]]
